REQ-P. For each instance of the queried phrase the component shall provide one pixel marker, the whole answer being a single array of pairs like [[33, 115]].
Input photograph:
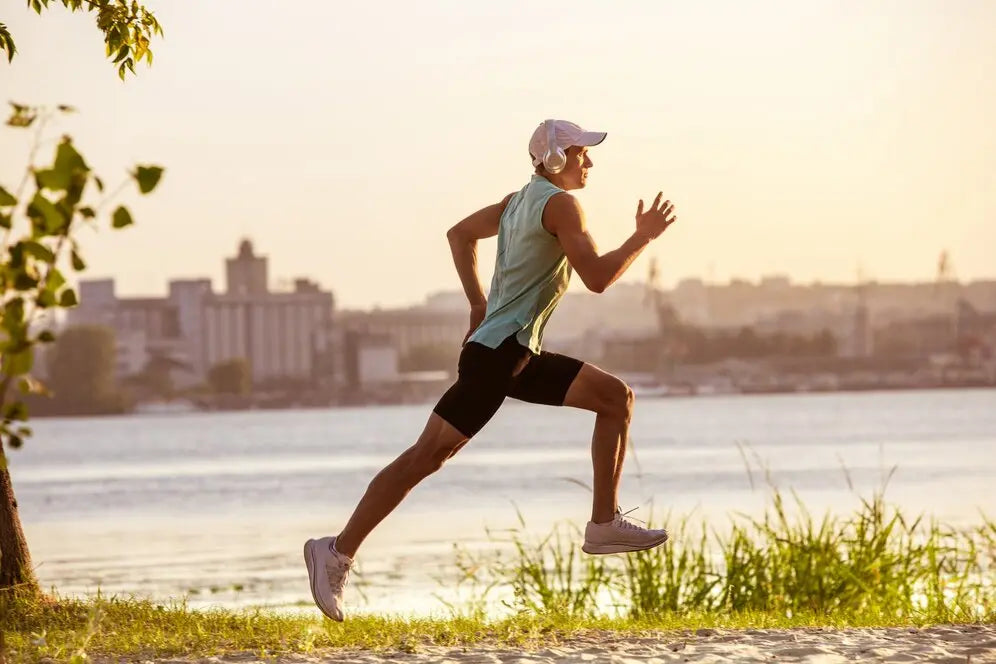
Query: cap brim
[[589, 138]]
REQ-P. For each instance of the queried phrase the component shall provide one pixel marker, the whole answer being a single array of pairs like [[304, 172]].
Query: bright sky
[[794, 137]]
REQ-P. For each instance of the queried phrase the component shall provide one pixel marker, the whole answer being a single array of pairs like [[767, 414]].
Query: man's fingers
[[657, 201], [639, 208]]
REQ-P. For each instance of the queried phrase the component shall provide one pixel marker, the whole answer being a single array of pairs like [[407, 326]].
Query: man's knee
[[437, 445], [620, 400], [602, 393], [616, 399], [424, 462]]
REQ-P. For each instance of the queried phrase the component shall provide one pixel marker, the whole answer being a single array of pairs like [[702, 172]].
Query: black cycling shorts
[[487, 375]]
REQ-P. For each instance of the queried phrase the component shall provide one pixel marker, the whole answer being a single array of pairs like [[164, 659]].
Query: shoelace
[[625, 523], [337, 573]]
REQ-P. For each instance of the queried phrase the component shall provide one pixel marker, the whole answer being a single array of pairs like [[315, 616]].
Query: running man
[[542, 238]]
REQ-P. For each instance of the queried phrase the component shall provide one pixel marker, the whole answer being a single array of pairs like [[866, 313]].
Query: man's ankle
[[334, 548]]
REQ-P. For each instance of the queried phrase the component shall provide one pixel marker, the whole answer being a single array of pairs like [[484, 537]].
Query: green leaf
[[6, 198], [68, 298], [48, 178], [46, 337], [99, 183], [39, 251], [68, 167], [43, 209], [16, 411], [88, 212], [5, 221], [121, 218], [66, 108], [16, 257], [147, 177], [24, 281], [13, 313], [7, 42], [78, 264], [54, 281], [15, 442], [46, 299], [68, 159], [17, 364]]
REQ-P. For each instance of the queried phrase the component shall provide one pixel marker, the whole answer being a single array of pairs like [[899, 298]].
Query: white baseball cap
[[565, 135]]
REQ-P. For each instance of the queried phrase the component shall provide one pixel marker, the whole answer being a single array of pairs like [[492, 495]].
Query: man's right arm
[[564, 218], [463, 239]]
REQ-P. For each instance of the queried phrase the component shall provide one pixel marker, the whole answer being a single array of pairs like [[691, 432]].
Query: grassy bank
[[875, 567], [141, 630]]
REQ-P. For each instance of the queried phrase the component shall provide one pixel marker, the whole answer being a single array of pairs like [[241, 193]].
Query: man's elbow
[[453, 234], [595, 284]]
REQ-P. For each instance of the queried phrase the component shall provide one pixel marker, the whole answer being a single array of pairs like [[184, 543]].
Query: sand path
[[961, 644]]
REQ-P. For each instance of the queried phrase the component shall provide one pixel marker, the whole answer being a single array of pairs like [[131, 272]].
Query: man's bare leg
[[612, 402], [439, 441]]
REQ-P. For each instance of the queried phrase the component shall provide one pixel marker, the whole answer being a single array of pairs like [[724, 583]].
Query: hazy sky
[[344, 138]]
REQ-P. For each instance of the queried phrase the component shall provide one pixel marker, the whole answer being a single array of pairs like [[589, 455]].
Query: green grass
[[874, 567], [72, 630], [874, 564]]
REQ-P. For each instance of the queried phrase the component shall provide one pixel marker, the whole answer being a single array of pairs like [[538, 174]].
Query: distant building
[[276, 331], [131, 351], [246, 274], [279, 333], [372, 360], [143, 326], [411, 327], [920, 337]]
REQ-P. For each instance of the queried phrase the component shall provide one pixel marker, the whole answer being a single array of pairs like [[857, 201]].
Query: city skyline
[[800, 140], [287, 283]]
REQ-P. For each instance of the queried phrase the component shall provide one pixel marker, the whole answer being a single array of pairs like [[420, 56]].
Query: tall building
[[246, 273], [279, 333]]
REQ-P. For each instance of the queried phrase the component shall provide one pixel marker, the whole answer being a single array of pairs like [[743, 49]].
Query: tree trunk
[[15, 560]]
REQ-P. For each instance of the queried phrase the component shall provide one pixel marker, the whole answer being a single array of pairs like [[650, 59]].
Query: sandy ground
[[962, 644]]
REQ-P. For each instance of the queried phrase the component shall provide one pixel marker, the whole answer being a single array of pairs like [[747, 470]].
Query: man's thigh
[[599, 391], [546, 379], [485, 375]]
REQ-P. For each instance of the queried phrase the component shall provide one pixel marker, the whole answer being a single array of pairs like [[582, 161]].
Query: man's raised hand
[[655, 221]]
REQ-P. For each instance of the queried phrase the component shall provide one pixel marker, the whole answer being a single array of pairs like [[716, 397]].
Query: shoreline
[[182, 406]]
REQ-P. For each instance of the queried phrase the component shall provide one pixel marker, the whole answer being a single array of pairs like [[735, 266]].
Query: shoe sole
[[311, 560], [620, 547]]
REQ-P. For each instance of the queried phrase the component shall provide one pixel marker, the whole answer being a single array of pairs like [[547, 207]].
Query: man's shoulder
[[563, 204], [562, 212]]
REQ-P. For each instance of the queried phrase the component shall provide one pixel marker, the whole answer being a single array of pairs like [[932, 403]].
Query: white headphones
[[554, 159]]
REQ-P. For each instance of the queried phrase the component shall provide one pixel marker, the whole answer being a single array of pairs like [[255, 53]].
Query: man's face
[[575, 173]]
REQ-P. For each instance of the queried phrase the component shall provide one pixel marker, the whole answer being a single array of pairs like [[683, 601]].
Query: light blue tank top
[[531, 271]]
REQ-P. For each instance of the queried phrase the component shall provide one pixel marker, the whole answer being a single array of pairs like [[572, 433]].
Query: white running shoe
[[620, 536], [328, 571]]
